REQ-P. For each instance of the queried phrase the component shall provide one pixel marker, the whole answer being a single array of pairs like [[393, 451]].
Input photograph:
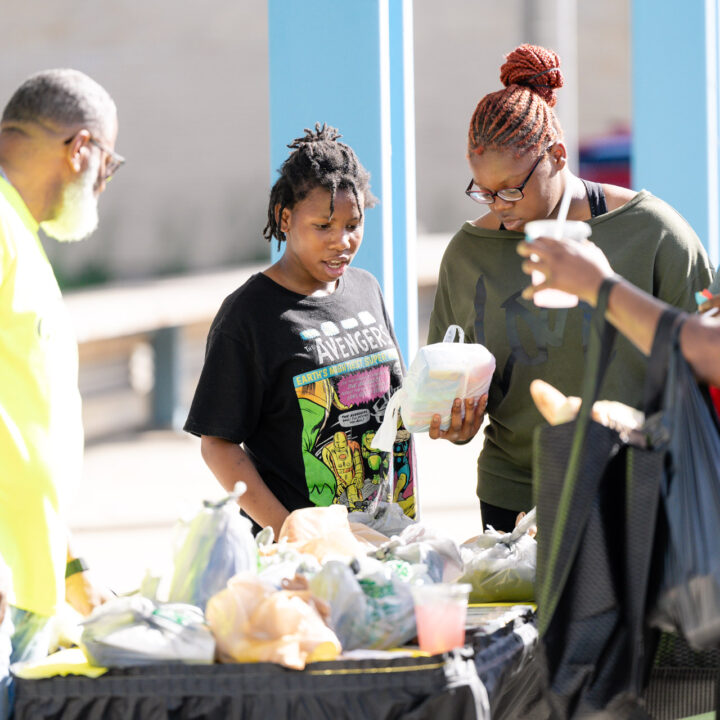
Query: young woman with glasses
[[519, 171]]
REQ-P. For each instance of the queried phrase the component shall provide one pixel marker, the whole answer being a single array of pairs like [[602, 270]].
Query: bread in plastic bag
[[134, 630], [439, 373], [218, 545], [254, 622], [500, 567]]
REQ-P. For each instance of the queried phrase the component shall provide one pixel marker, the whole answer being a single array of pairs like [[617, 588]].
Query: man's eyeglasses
[[513, 194], [114, 161]]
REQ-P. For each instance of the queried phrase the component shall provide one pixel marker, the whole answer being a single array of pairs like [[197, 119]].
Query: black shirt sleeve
[[229, 397]]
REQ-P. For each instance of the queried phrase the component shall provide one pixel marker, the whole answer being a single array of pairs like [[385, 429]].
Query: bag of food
[[500, 567], [134, 630], [371, 605], [253, 622], [218, 545], [387, 518], [421, 544], [439, 373]]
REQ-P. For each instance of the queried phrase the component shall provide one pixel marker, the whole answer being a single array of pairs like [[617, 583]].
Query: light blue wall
[[342, 62], [675, 108]]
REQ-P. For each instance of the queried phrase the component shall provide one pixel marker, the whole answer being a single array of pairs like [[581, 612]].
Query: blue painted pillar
[[675, 109], [349, 63]]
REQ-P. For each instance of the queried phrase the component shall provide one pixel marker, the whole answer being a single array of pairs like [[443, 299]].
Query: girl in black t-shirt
[[302, 359]]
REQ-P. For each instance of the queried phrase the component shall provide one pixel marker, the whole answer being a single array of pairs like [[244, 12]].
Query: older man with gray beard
[[57, 139]]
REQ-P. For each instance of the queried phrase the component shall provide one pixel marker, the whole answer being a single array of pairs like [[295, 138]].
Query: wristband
[[75, 566], [606, 286]]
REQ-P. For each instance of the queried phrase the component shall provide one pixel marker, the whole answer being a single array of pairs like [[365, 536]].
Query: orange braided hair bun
[[520, 117]]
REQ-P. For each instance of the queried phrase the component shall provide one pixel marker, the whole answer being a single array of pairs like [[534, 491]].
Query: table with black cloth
[[496, 675], [490, 677], [423, 688]]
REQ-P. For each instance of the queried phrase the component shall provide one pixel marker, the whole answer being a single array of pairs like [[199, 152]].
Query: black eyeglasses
[[513, 194], [114, 161]]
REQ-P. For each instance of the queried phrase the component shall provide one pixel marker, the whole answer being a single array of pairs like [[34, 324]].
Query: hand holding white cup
[[569, 229]]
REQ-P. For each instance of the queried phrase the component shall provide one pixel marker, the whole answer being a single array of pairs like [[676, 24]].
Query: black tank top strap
[[596, 197]]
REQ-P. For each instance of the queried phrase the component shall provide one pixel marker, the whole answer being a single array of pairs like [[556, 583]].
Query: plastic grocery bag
[[387, 518], [218, 544], [370, 601], [421, 544], [282, 563], [500, 567], [323, 532], [439, 373], [689, 598], [136, 631], [254, 622]]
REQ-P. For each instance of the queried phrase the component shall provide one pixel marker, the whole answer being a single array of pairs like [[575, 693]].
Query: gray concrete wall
[[190, 80]]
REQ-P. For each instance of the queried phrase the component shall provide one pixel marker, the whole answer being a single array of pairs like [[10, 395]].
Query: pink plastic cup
[[572, 229], [440, 613]]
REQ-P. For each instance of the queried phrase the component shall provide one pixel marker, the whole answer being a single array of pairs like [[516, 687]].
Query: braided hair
[[520, 117], [317, 160]]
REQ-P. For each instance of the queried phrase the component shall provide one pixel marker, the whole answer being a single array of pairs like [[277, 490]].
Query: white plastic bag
[[500, 567], [136, 631], [218, 545], [439, 373], [420, 543], [388, 518], [373, 607]]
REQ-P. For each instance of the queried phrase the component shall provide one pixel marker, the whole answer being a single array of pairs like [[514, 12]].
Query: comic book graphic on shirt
[[342, 404]]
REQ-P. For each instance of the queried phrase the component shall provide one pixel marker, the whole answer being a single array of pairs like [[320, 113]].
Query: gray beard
[[78, 215]]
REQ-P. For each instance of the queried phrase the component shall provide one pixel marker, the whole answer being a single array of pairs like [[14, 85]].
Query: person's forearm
[[635, 314], [230, 464], [580, 268], [700, 343]]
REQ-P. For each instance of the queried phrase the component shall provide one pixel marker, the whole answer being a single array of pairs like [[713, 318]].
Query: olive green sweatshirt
[[479, 287]]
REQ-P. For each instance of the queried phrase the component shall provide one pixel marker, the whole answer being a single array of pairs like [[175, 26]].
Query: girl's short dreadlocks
[[317, 160]]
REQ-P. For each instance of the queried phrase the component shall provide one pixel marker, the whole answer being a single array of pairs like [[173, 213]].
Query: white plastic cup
[[440, 613], [571, 229]]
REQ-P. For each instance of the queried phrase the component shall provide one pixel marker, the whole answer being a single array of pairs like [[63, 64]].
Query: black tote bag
[[689, 596], [597, 505]]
